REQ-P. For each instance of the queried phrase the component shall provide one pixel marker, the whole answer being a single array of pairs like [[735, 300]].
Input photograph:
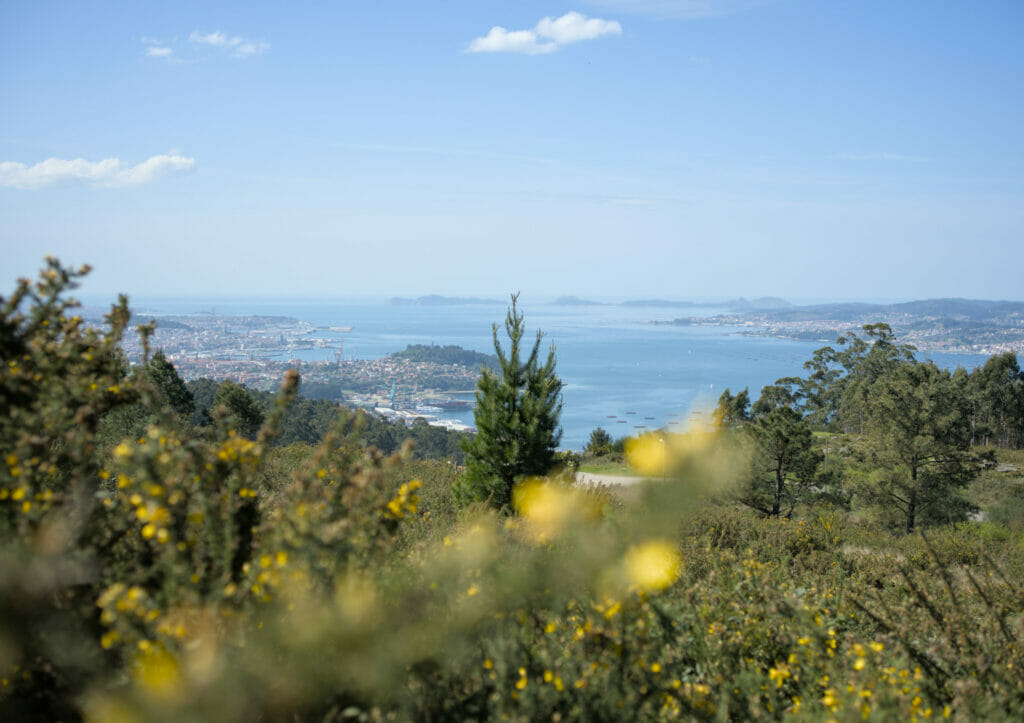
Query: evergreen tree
[[516, 417], [733, 410], [920, 444], [997, 389], [600, 443], [172, 387], [785, 461], [242, 406]]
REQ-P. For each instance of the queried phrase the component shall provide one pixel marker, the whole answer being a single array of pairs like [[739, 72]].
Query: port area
[[409, 416], [437, 410]]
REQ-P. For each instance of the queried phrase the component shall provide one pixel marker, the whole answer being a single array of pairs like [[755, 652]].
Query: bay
[[621, 371]]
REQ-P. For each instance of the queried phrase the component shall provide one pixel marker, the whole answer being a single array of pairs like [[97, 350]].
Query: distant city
[[258, 350]]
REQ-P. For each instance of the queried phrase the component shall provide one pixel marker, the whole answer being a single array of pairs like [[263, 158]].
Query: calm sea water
[[620, 371]]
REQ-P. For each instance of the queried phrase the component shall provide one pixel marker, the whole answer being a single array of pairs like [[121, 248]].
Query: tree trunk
[[912, 503], [777, 500]]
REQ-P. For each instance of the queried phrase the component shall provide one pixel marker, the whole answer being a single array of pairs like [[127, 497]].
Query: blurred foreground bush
[[189, 574]]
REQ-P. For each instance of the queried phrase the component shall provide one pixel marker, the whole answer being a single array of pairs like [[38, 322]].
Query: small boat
[[621, 421], [648, 417], [612, 416], [630, 412]]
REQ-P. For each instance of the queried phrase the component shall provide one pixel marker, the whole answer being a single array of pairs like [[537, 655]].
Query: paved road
[[589, 479]]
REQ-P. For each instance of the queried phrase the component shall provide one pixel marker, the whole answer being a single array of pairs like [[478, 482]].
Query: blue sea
[[621, 372]]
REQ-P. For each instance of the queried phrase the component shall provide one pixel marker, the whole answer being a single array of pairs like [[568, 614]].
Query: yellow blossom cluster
[[404, 502]]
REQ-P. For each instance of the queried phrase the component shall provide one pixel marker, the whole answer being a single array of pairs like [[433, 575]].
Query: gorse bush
[[202, 573]]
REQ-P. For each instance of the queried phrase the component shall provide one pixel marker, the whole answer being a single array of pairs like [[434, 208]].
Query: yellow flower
[[156, 672], [652, 565], [548, 508], [646, 454], [148, 531]]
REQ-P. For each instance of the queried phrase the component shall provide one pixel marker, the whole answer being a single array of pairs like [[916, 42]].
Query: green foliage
[[785, 459], [599, 444], [732, 410], [920, 443], [242, 407], [171, 386], [996, 391], [450, 354], [516, 418], [195, 574]]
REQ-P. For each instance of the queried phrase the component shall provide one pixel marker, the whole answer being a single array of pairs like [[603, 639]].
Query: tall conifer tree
[[516, 417]]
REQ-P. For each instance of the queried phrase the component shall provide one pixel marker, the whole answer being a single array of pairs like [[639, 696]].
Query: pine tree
[[920, 440], [172, 387], [516, 417]]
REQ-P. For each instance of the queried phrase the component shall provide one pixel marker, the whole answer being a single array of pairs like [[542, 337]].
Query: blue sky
[[614, 148]]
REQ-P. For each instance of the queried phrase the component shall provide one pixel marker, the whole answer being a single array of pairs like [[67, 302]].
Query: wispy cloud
[[158, 48], [108, 173], [547, 36], [157, 51], [682, 9], [238, 46], [881, 156]]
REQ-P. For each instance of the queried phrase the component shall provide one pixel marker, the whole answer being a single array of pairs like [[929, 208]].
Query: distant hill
[[451, 354], [435, 300], [962, 310]]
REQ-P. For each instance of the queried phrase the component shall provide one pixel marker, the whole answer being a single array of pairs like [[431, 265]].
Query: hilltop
[[450, 354]]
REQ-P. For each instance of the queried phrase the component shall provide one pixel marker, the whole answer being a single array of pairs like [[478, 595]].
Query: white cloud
[[107, 173], [574, 27], [547, 36], [216, 38], [239, 46], [156, 51], [500, 40]]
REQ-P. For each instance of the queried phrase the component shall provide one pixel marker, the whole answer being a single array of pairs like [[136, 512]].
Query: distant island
[[437, 300], [450, 354], [952, 325]]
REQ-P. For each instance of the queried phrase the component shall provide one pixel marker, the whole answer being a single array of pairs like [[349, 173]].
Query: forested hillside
[[449, 354]]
